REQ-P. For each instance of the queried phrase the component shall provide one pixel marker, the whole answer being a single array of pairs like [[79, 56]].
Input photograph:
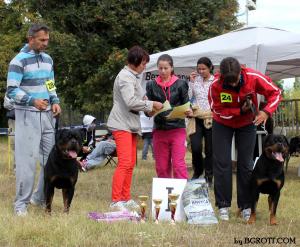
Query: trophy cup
[[143, 206], [173, 204], [157, 203]]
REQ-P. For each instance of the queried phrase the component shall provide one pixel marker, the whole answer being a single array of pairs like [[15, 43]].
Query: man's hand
[[40, 104], [261, 118], [56, 109]]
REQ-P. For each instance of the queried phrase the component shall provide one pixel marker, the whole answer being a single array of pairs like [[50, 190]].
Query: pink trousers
[[169, 152]]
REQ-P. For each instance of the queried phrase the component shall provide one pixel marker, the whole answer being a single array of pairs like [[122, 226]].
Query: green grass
[[93, 192]]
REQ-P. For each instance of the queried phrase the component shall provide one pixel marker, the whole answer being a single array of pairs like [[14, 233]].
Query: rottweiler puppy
[[268, 175], [61, 170]]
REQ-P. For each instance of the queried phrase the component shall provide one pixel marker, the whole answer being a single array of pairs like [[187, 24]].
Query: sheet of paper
[[166, 106], [178, 111]]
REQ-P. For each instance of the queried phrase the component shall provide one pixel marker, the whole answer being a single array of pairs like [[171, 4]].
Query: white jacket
[[127, 102]]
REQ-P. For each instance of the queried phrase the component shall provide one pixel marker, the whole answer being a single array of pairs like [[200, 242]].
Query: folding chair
[[110, 159]]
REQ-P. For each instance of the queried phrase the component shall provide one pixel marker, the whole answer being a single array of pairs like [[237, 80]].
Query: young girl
[[169, 136]]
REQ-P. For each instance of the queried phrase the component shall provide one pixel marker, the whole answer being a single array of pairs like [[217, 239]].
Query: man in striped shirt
[[30, 84]]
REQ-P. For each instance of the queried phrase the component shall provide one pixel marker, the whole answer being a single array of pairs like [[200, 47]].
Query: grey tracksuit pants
[[34, 139]]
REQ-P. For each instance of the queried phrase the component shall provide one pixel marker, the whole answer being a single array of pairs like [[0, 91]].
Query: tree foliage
[[90, 39]]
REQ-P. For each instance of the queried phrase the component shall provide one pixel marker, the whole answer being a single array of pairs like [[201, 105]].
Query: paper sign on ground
[[161, 188]]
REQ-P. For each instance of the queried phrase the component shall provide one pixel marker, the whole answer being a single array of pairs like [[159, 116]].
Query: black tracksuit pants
[[222, 164], [200, 164]]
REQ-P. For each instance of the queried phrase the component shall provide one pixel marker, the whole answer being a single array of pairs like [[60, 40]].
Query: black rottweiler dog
[[61, 170], [268, 175], [294, 149]]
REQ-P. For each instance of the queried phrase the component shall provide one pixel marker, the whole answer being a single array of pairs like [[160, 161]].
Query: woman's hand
[[157, 106], [193, 76], [261, 118], [189, 113], [150, 113]]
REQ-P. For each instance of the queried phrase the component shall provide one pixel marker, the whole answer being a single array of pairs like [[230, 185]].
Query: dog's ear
[[79, 134], [61, 134], [286, 140], [58, 134], [268, 140]]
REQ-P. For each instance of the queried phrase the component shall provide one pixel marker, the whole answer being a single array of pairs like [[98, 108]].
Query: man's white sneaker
[[246, 213], [224, 214], [131, 204], [21, 213], [118, 206]]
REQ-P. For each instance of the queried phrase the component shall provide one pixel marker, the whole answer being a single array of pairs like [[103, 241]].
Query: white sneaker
[[246, 213], [118, 206], [224, 214], [131, 204], [21, 213]]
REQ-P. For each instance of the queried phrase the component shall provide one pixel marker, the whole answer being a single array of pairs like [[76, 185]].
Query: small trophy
[[173, 204], [157, 203], [143, 206]]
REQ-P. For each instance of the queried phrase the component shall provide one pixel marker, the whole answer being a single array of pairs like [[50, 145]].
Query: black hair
[[136, 55], [207, 62], [230, 69], [167, 58], [36, 27]]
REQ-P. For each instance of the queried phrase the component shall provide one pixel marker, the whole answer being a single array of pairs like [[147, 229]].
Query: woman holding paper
[[124, 122], [169, 135], [199, 84]]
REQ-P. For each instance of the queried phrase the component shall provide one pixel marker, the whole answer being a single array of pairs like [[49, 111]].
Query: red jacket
[[226, 102]]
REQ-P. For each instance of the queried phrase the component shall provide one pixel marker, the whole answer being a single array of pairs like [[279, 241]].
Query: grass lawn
[[93, 192]]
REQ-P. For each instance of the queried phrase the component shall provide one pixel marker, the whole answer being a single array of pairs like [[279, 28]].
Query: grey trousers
[[34, 139]]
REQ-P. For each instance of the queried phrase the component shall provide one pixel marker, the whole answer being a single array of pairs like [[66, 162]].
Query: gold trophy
[[143, 206], [173, 204], [157, 203]]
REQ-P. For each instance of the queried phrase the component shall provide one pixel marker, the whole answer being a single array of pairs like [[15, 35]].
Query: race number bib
[[50, 85], [226, 98]]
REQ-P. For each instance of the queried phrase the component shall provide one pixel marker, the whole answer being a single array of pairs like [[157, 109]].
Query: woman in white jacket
[[124, 122]]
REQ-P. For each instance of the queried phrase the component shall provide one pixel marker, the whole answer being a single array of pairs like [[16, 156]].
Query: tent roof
[[253, 46]]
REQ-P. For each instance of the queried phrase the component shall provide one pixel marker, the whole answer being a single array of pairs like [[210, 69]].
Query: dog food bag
[[197, 206], [114, 216]]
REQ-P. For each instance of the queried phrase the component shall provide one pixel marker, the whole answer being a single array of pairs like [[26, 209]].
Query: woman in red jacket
[[233, 100]]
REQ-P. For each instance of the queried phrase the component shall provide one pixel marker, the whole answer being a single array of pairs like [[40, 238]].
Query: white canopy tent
[[272, 51]]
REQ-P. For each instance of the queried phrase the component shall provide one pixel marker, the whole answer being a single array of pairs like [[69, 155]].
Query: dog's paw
[[273, 221], [252, 219]]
